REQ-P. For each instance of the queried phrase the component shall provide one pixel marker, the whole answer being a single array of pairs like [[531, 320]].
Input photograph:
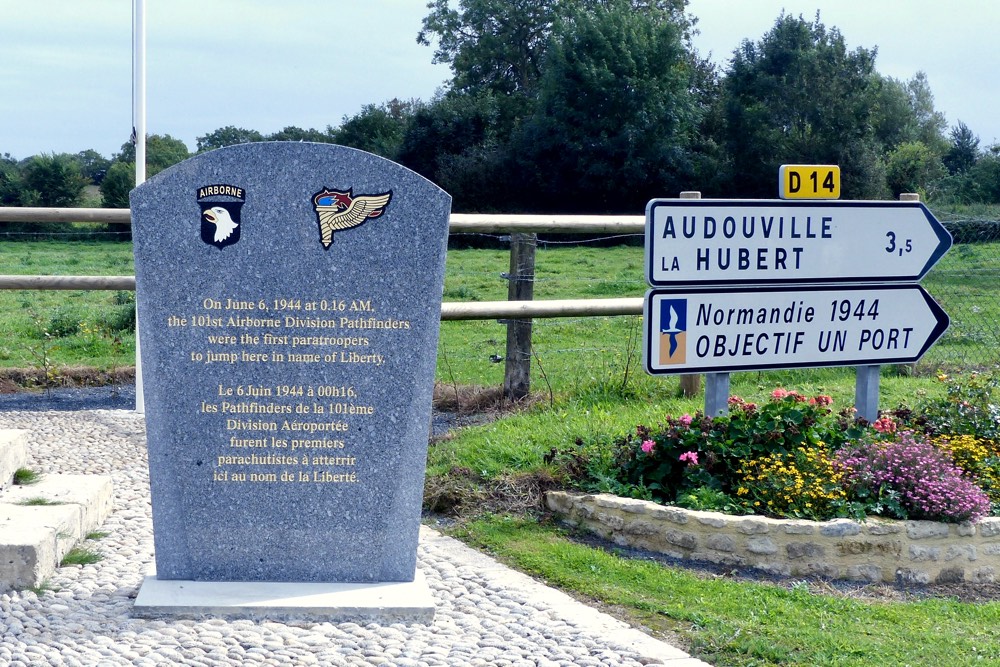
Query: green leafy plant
[[802, 483], [688, 452], [900, 474], [80, 556], [25, 476], [38, 501], [971, 407], [42, 353]]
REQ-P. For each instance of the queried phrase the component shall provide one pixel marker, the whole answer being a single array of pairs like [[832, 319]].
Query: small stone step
[[13, 454], [34, 538]]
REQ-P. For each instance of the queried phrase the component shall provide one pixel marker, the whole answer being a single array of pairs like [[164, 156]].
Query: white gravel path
[[486, 613]]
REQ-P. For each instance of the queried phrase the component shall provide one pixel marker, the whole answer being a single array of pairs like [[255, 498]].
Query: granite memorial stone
[[289, 305]]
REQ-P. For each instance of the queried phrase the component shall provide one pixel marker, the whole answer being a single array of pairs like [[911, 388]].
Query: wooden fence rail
[[518, 311]]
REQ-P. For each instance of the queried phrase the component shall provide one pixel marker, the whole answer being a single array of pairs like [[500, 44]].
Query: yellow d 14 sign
[[809, 181]]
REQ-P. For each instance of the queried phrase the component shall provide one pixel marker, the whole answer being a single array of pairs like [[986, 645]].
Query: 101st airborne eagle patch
[[337, 211]]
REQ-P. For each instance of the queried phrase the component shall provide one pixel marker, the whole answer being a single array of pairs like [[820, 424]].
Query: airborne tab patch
[[220, 214]]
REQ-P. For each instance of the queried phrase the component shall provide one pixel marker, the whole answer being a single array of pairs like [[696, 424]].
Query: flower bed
[[836, 478], [794, 457]]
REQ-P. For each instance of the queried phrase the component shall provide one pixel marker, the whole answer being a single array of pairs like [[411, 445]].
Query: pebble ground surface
[[486, 613]]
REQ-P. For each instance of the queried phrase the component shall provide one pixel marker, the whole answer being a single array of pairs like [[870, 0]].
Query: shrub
[[651, 457], [906, 477], [63, 322], [978, 457], [971, 407], [797, 484]]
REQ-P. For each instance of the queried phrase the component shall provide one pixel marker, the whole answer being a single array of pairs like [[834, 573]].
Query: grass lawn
[[586, 373], [731, 623]]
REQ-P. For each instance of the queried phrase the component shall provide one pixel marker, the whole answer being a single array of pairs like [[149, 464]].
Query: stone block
[[965, 529], [984, 575], [762, 546], [907, 577], [612, 521], [289, 295], [989, 527], [91, 493], [892, 548], [840, 528], [923, 530], [950, 575], [920, 553], [681, 539], [721, 543], [877, 527], [671, 514], [641, 528], [966, 551], [13, 454], [33, 540], [753, 526], [800, 528], [796, 550]]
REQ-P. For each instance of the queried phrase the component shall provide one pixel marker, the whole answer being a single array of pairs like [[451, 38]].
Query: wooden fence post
[[520, 287]]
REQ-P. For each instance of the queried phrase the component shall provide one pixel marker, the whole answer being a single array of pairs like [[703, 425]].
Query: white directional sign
[[734, 329], [717, 242]]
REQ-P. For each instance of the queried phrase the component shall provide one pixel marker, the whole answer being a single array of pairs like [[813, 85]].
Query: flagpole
[[139, 135]]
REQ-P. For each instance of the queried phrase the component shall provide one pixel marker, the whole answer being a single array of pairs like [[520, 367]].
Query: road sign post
[[765, 284]]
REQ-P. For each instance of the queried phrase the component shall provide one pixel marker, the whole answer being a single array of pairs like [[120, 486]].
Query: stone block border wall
[[876, 550]]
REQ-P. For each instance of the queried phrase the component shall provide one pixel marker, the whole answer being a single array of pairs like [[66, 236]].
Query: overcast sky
[[263, 64]]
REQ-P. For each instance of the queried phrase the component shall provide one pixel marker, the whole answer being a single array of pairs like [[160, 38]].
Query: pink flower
[[647, 446], [779, 393], [884, 425], [735, 400], [691, 458], [821, 400], [685, 420]]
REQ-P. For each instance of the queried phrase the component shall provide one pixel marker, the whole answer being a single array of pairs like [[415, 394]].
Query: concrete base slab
[[386, 602], [91, 493], [13, 453], [33, 539]]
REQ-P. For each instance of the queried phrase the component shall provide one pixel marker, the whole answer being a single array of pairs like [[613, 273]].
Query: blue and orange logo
[[673, 332]]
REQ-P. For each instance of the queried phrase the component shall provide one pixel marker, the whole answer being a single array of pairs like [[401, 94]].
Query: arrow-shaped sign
[[742, 329], [718, 242]]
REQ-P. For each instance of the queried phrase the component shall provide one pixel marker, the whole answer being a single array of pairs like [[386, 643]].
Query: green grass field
[[588, 377]]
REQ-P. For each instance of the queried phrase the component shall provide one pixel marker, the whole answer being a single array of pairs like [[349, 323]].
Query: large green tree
[[377, 128], [229, 135], [616, 118], [963, 151], [162, 151], [11, 183], [93, 165], [491, 45], [117, 183], [293, 133], [800, 96], [53, 181]]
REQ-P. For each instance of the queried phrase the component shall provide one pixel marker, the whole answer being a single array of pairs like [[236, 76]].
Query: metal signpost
[[768, 284]]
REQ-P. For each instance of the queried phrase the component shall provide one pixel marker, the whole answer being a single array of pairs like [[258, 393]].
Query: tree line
[[597, 106]]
